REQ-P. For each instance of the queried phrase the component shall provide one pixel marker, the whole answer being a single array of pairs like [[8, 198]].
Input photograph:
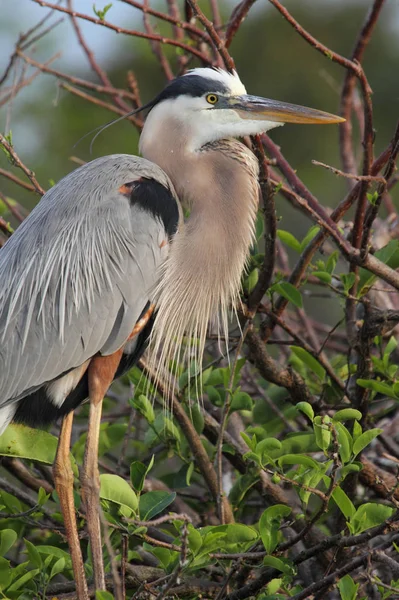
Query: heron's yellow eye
[[212, 98]]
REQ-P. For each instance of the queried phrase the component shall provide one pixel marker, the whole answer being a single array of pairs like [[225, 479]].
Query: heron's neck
[[202, 275], [217, 183]]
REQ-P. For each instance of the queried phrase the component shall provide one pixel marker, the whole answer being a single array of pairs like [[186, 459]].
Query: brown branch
[[157, 48], [173, 18], [300, 268], [23, 41], [103, 77], [24, 82], [17, 180], [382, 188], [270, 220], [347, 94], [238, 15], [334, 56], [69, 88], [216, 18], [369, 178], [158, 38], [101, 89], [214, 36], [18, 163], [13, 210], [5, 227]]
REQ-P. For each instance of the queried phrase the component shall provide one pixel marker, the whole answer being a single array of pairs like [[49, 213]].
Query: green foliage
[[269, 525], [117, 490], [348, 588], [19, 441], [101, 13]]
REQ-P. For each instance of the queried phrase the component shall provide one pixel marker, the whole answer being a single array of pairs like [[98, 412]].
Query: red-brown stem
[[158, 38]]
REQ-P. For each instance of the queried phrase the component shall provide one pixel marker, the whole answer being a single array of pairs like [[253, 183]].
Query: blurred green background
[[272, 60]]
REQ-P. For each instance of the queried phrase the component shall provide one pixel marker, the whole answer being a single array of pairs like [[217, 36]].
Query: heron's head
[[210, 104]]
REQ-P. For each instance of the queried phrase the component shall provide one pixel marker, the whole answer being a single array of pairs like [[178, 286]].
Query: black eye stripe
[[192, 85]]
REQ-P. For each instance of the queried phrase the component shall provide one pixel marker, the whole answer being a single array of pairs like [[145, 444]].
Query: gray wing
[[77, 273]]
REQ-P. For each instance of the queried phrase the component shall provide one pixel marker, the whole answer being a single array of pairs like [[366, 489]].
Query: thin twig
[[18, 163], [215, 37], [140, 34]]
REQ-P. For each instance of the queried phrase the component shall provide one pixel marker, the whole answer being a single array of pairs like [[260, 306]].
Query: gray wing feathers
[[76, 274]]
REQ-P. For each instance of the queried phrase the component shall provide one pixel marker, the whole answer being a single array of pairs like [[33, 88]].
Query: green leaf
[[289, 240], [365, 439], [197, 418], [343, 502], [313, 231], [345, 442], [269, 525], [322, 432], [369, 515], [5, 573], [241, 401], [8, 538], [298, 459], [390, 347], [144, 406], [377, 386], [54, 552], [20, 441], [323, 276], [289, 292], [100, 13], [104, 595], [194, 539], [347, 413], [21, 581], [189, 473], [332, 262], [250, 442], [279, 564], [33, 554], [268, 445], [357, 430], [227, 538], [138, 473], [252, 280], [116, 489], [348, 279], [297, 443], [213, 395], [42, 497], [152, 503], [348, 588], [306, 408], [309, 361], [57, 567]]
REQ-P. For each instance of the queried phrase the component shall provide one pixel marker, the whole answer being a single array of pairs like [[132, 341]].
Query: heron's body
[[105, 258], [58, 309]]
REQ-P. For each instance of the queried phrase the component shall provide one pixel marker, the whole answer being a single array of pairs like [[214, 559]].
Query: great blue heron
[[105, 257]]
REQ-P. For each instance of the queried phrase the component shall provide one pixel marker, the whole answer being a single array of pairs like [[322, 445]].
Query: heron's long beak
[[254, 107]]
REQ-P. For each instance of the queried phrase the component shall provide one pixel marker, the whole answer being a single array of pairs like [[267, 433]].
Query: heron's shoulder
[[120, 165]]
